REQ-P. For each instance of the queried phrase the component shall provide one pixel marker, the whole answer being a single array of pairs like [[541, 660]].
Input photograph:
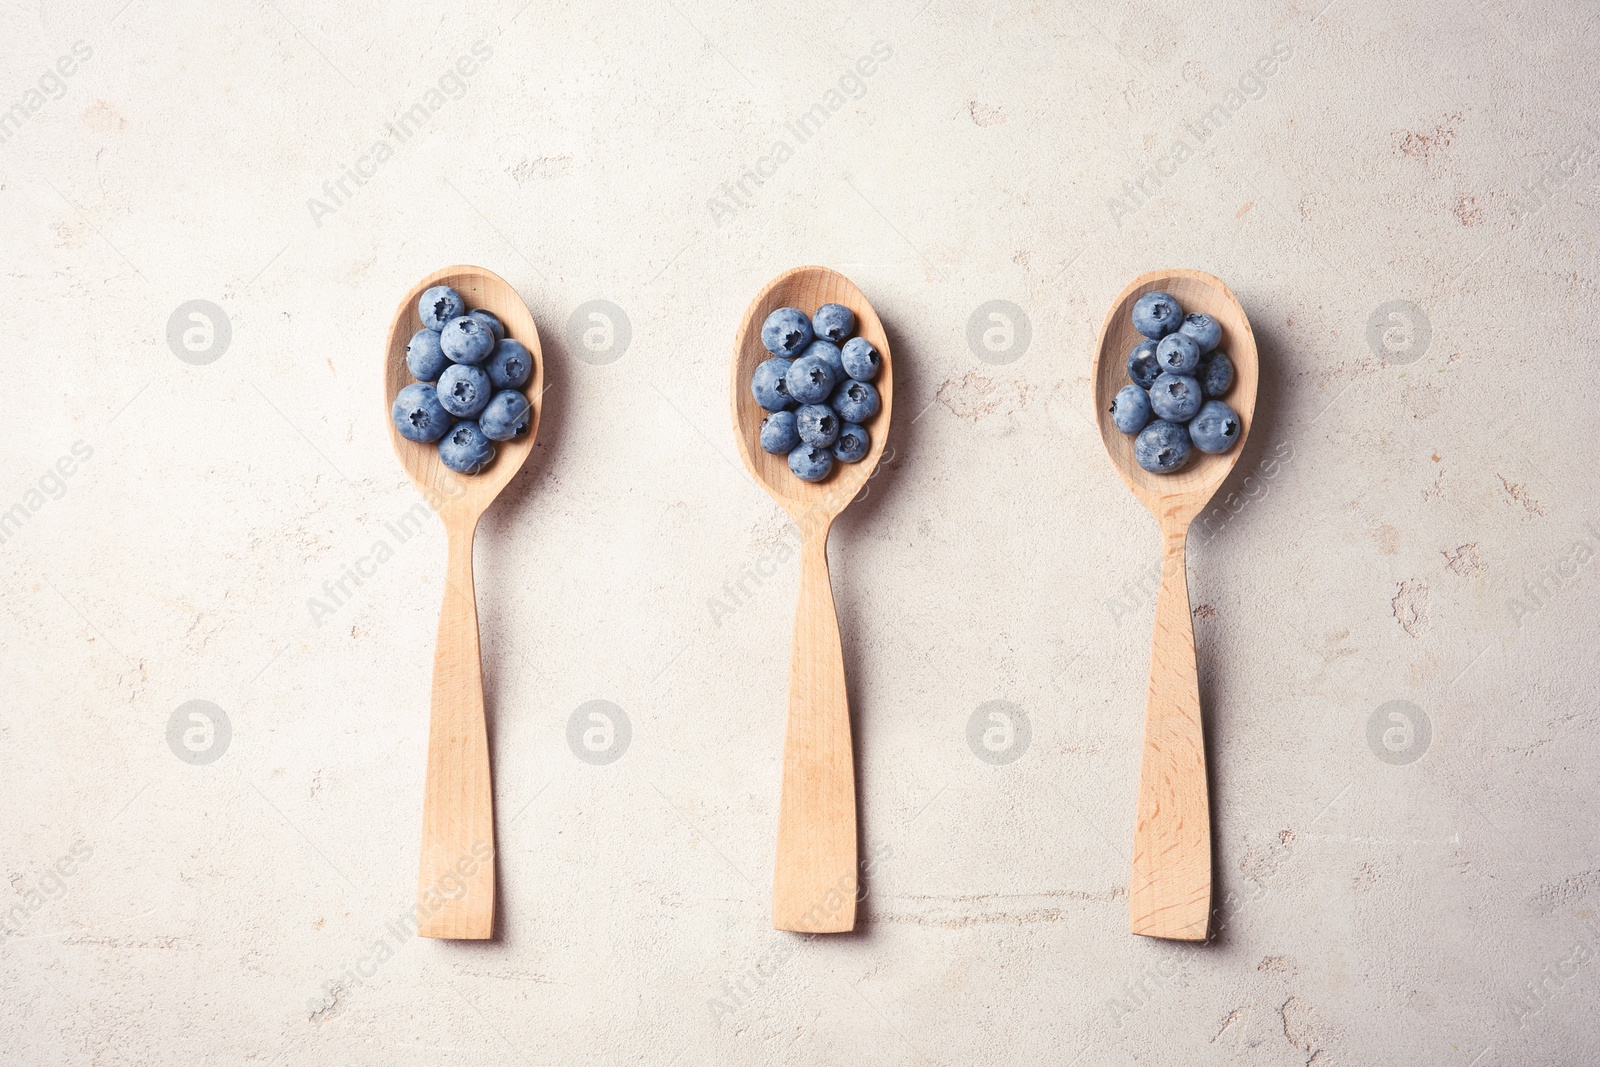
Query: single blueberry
[[810, 463], [829, 353], [810, 380], [510, 365], [861, 361], [768, 384], [1205, 330], [438, 306], [491, 320], [465, 450], [818, 425], [418, 414], [466, 340], [1130, 409], [508, 415], [1216, 428], [1157, 314], [1162, 448], [464, 390], [1142, 365], [1174, 397], [852, 445], [1216, 374], [786, 332], [1178, 353], [856, 401], [779, 434], [424, 358], [833, 322]]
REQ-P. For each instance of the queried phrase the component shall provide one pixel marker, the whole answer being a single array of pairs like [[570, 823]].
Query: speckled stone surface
[[207, 216]]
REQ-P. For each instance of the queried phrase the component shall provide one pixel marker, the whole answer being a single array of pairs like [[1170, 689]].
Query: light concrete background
[[1405, 204]]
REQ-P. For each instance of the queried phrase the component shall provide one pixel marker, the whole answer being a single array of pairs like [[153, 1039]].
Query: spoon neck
[[458, 540], [1174, 537], [814, 523]]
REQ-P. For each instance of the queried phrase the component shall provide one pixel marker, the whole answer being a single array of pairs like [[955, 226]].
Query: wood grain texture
[[455, 880], [1169, 889], [815, 878]]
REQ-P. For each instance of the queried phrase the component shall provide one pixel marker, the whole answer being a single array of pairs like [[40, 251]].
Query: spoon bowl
[[806, 288], [445, 489], [815, 883], [1189, 488], [455, 879], [1169, 889]]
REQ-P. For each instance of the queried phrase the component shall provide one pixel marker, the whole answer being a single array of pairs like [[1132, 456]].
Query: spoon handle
[[814, 889], [455, 883], [1169, 892]]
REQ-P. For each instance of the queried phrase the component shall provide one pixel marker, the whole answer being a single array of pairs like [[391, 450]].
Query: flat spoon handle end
[[1169, 890], [455, 881], [814, 887]]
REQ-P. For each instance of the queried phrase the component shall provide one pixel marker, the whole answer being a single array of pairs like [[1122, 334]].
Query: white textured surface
[[1391, 913]]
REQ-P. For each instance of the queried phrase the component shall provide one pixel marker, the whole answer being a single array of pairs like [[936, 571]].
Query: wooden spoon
[[814, 887], [1169, 891], [455, 884]]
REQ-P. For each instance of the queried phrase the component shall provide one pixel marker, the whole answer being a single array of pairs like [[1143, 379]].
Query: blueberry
[[1203, 329], [1142, 365], [424, 359], [491, 320], [508, 415], [810, 463], [1156, 314], [1130, 409], [833, 322], [464, 390], [852, 445], [466, 340], [510, 365], [818, 425], [465, 450], [1216, 428], [829, 353], [1216, 374], [418, 415], [1178, 354], [1162, 448], [1174, 397], [779, 435], [786, 332], [768, 384], [856, 401], [438, 306], [861, 361], [810, 380]]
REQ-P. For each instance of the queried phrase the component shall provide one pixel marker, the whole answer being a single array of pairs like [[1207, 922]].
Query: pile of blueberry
[[1178, 373], [470, 375], [817, 388]]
